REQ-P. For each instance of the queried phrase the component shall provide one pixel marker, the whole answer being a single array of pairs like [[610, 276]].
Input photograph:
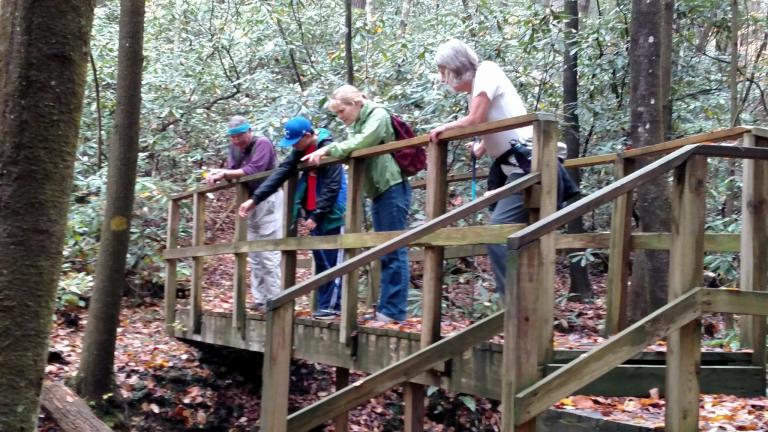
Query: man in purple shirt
[[250, 155]]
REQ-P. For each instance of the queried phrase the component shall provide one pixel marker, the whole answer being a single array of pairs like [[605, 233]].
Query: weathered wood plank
[[277, 369], [636, 380], [432, 288], [341, 422], [353, 223], [618, 269], [240, 270], [453, 236], [171, 242], [685, 274], [754, 244], [545, 161], [732, 152], [588, 161], [374, 384], [437, 194], [735, 301], [620, 187], [289, 257], [403, 239], [198, 263], [612, 353], [666, 147], [521, 350], [421, 184]]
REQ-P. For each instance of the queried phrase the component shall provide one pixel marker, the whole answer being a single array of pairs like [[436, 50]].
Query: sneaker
[[325, 314], [380, 317]]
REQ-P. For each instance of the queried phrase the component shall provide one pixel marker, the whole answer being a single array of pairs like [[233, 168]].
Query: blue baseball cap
[[295, 129]]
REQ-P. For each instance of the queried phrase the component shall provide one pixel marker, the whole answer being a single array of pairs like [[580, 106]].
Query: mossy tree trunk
[[43, 60], [95, 376]]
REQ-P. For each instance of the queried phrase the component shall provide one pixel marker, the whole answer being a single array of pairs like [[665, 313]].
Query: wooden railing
[[529, 308], [529, 305], [538, 237]]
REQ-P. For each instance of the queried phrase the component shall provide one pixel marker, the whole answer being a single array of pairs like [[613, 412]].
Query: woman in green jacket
[[369, 124]]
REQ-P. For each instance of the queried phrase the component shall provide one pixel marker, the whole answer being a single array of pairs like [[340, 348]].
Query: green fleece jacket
[[373, 127]]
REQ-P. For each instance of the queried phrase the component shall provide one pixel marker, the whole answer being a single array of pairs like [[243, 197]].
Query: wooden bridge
[[524, 371]]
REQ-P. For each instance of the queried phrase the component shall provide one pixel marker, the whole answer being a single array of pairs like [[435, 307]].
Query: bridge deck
[[477, 371]]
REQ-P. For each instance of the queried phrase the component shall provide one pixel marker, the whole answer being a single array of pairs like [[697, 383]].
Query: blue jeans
[[507, 211], [329, 294], [390, 213]]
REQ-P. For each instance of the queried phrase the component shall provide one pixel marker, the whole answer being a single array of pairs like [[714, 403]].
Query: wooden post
[[353, 223], [374, 280], [545, 162], [241, 266], [170, 267], [754, 245], [432, 289], [198, 263], [288, 262], [620, 246], [341, 423], [685, 274], [277, 369], [529, 299], [521, 332]]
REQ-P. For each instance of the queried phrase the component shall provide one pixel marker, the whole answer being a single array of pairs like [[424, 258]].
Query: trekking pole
[[474, 258], [474, 176]]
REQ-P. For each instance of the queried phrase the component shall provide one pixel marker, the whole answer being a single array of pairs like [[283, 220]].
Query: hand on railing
[[315, 156], [215, 176]]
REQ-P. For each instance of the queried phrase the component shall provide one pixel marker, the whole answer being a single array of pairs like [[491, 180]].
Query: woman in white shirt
[[491, 97]]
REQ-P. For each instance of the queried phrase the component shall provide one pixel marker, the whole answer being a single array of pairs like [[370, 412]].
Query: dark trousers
[[329, 294], [509, 210]]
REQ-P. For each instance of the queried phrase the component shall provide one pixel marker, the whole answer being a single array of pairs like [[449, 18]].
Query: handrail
[[418, 141], [403, 239], [626, 184], [342, 400], [584, 205], [612, 353], [490, 127]]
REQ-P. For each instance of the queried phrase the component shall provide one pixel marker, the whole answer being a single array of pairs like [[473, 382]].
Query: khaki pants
[[266, 222]]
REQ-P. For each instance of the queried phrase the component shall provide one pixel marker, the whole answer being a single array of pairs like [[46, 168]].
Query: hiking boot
[[325, 314]]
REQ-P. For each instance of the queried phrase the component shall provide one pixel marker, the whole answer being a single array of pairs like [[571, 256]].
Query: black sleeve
[[326, 199], [283, 171]]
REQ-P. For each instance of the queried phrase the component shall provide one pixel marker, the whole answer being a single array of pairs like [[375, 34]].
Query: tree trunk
[[348, 42], [44, 52], [648, 289], [94, 377], [667, 22], [733, 76], [580, 286]]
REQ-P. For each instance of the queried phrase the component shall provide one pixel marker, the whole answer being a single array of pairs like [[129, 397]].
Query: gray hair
[[459, 60], [236, 121]]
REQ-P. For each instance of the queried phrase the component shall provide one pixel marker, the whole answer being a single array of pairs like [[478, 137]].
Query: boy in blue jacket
[[321, 194]]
